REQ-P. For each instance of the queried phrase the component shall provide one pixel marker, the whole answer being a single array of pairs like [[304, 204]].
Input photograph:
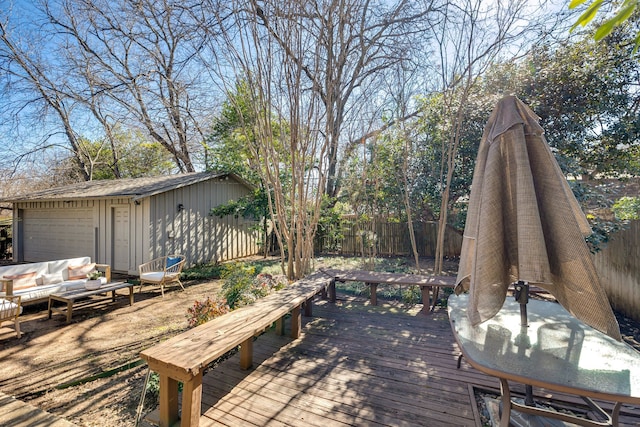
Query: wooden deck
[[15, 413], [355, 364]]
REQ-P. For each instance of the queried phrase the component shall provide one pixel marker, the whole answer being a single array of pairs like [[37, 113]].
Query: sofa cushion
[[62, 264], [10, 270], [80, 271], [43, 292], [52, 278], [38, 292], [22, 281]]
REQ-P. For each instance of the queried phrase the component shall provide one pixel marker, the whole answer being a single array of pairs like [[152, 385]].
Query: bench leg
[[191, 401], [296, 322], [374, 290], [426, 294], [280, 326], [308, 307], [246, 354], [168, 401], [332, 291]]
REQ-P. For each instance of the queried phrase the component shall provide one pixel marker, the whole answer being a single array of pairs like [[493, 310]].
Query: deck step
[[16, 413]]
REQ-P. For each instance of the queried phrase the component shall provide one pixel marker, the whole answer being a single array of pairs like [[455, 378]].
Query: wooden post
[[191, 401], [280, 326], [246, 354], [168, 401], [308, 307], [374, 296], [332, 291], [426, 293], [296, 322]]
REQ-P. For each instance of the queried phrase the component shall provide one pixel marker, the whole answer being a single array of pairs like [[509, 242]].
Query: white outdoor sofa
[[34, 282]]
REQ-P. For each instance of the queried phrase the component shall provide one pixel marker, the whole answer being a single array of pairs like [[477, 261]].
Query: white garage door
[[50, 234]]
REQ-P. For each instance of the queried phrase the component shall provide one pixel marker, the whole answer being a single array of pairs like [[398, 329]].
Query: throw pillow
[[22, 281], [50, 279], [173, 260], [76, 272]]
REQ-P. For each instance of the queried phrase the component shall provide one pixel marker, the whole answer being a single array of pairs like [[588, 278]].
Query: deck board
[[16, 413], [357, 368], [354, 365]]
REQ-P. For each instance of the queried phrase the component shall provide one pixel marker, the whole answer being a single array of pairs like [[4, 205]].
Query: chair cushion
[[8, 309], [173, 260], [152, 276]]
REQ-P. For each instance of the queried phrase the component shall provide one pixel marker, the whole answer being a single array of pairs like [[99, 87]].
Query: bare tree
[[41, 90], [139, 55], [100, 63], [308, 64], [354, 43], [288, 149], [471, 35]]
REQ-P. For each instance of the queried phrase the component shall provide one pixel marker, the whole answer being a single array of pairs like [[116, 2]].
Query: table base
[[69, 298], [507, 404]]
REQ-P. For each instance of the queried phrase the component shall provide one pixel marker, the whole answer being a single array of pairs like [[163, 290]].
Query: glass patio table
[[556, 351]]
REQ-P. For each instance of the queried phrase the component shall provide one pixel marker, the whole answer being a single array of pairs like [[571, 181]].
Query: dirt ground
[[56, 366], [89, 372]]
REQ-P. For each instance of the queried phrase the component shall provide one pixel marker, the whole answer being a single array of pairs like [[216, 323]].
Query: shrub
[[238, 282], [203, 311], [271, 282], [627, 208], [242, 287], [203, 272], [411, 295]]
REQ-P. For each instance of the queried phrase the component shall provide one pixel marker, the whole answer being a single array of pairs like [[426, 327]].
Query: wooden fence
[[618, 266], [388, 238]]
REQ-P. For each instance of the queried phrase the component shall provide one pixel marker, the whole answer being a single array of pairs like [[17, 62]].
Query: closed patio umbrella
[[524, 224]]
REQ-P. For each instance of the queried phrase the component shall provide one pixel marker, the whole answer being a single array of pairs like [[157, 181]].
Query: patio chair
[[10, 309], [162, 271]]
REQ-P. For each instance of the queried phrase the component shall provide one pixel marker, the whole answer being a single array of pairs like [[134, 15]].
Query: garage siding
[[174, 221], [190, 230]]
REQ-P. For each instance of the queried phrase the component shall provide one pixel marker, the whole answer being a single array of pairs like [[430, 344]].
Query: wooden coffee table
[[70, 297]]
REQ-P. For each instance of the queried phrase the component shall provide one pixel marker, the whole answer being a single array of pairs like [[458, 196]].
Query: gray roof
[[134, 188]]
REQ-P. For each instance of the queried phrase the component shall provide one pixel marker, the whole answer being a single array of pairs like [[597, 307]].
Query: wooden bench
[[184, 357], [374, 278]]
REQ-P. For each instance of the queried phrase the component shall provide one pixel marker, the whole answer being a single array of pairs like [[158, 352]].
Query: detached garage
[[127, 222]]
